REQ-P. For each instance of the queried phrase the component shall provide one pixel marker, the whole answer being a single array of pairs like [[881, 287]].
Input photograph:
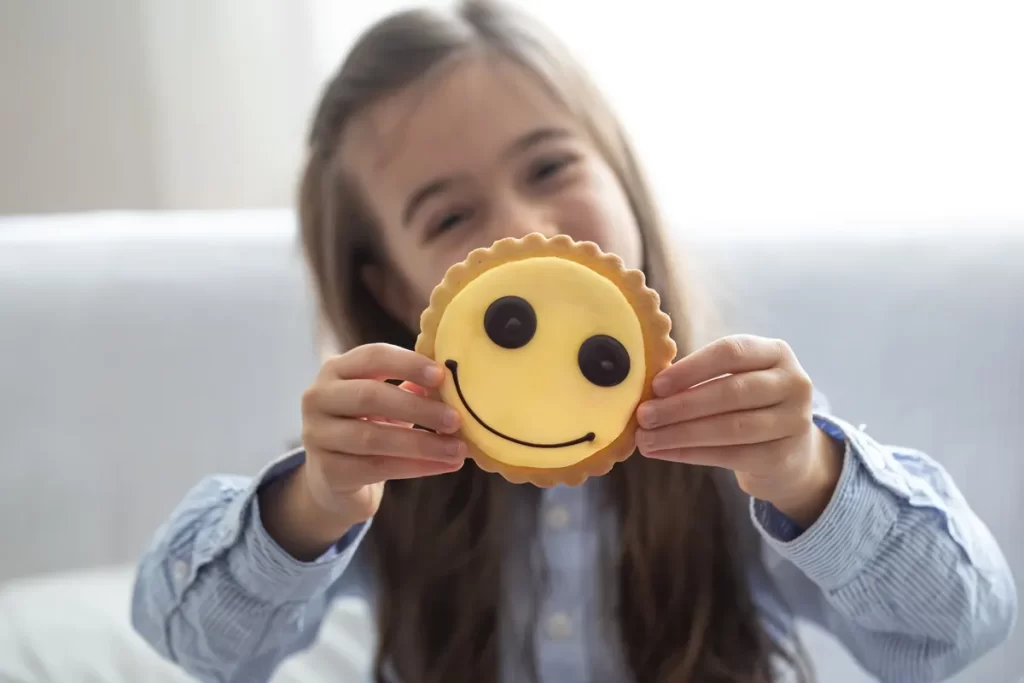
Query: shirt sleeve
[[898, 567], [219, 597]]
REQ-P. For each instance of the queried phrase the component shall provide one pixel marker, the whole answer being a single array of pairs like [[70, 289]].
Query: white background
[[781, 112]]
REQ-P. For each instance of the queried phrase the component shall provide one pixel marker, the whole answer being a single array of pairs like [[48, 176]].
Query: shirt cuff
[[263, 567], [847, 535]]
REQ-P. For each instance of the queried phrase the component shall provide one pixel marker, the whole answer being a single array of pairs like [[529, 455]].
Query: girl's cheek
[[582, 217]]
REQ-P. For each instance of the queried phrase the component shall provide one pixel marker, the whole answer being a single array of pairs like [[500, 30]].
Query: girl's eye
[[549, 168], [448, 222]]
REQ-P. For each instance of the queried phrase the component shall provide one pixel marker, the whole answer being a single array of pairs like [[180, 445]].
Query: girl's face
[[473, 154]]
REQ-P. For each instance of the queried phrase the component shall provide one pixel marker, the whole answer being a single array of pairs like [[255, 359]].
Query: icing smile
[[454, 367]]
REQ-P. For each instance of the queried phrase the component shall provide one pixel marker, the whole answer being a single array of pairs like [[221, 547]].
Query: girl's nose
[[546, 228], [522, 221]]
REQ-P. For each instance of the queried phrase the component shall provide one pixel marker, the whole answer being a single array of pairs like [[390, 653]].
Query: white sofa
[[139, 352]]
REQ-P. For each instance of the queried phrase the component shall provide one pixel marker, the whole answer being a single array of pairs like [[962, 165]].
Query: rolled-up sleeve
[[898, 566], [218, 596]]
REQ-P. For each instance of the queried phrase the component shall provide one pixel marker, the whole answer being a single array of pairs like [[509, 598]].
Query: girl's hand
[[744, 403], [358, 433]]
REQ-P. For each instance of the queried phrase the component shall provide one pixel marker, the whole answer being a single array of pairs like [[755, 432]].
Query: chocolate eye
[[510, 322], [603, 360]]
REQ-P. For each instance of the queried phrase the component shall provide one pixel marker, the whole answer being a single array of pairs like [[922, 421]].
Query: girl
[[445, 132]]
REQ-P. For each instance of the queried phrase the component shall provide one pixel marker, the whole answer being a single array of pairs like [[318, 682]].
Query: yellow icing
[[537, 393]]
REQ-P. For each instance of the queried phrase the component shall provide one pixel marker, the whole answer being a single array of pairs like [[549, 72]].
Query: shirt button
[[558, 517], [180, 571], [559, 625]]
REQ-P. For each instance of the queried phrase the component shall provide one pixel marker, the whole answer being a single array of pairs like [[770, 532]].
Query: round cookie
[[550, 345]]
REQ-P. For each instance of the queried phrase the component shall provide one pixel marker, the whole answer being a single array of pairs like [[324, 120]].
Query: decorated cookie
[[550, 345]]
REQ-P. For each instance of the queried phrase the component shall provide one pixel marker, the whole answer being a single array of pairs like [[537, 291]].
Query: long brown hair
[[680, 564]]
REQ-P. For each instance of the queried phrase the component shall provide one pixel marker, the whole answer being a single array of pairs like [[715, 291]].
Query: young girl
[[445, 132]]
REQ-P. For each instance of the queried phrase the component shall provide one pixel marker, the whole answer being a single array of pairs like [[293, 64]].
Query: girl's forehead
[[462, 114]]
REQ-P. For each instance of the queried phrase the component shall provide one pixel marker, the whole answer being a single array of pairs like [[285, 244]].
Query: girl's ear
[[392, 294]]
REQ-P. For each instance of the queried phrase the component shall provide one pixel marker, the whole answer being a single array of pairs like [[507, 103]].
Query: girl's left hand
[[744, 403]]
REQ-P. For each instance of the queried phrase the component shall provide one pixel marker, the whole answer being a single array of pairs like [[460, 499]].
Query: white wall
[[817, 112], [152, 104], [233, 84], [74, 121]]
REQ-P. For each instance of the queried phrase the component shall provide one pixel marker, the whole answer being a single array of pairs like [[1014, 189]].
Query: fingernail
[[450, 419], [455, 449], [644, 438], [647, 415], [661, 385], [433, 374]]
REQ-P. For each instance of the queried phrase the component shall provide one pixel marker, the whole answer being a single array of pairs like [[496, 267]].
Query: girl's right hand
[[358, 433]]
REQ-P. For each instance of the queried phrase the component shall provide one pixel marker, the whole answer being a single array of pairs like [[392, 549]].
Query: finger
[[413, 388], [419, 391], [384, 361], [346, 472], [362, 437], [367, 397], [730, 429], [727, 356], [745, 391], [747, 458]]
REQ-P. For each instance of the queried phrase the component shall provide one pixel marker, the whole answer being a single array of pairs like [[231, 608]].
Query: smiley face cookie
[[549, 346]]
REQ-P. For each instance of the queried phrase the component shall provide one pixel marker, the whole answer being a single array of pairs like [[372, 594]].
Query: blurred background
[[849, 176], [780, 113]]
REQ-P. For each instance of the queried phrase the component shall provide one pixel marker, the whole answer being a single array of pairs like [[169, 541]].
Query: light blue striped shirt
[[898, 568]]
